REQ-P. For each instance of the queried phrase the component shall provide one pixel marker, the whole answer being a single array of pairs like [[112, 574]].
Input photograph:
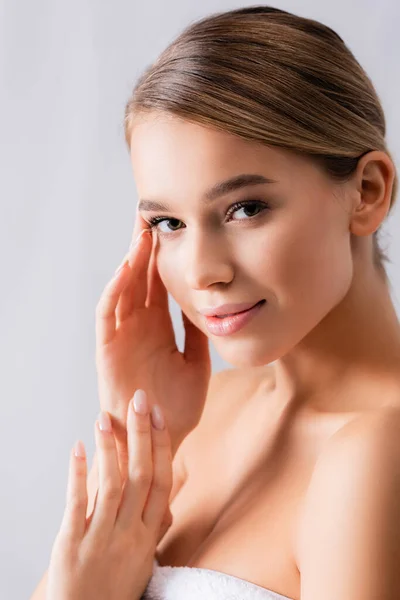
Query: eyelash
[[154, 221]]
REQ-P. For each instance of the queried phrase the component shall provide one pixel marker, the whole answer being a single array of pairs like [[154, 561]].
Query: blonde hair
[[273, 77]]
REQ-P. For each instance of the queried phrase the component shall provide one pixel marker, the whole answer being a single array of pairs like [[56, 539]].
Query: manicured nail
[[157, 417], [104, 421], [140, 403], [79, 449]]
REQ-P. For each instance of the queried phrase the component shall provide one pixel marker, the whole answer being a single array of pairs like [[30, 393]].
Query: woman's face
[[289, 246]]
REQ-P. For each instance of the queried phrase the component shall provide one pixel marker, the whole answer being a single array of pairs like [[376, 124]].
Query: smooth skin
[[310, 256], [110, 554], [136, 347], [349, 533], [329, 327]]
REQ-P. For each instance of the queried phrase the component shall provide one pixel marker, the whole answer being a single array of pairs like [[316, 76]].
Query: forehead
[[169, 154]]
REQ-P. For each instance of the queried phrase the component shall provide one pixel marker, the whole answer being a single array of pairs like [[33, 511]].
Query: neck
[[355, 348]]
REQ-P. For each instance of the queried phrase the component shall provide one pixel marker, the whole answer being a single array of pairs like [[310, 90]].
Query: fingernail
[[79, 449], [104, 421], [157, 417], [140, 402]]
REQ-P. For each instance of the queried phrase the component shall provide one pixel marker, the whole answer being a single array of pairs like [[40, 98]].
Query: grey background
[[67, 212]]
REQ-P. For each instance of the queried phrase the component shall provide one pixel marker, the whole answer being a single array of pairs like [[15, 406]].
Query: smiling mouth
[[239, 312]]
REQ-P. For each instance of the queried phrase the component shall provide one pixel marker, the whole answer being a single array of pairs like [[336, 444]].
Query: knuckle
[[112, 491], [161, 485], [107, 441], [164, 444], [63, 542], [141, 476], [142, 426], [77, 503]]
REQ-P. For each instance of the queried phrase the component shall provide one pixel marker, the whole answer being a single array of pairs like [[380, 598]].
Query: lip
[[227, 309], [227, 325]]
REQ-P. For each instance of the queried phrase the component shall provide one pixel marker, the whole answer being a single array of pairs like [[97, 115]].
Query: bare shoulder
[[343, 485], [373, 431]]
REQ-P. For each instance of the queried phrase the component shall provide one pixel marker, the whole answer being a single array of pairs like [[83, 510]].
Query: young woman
[[258, 149]]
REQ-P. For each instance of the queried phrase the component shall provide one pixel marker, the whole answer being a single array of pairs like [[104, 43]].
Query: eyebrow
[[219, 189]]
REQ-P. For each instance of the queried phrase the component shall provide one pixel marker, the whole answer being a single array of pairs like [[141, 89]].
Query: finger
[[110, 484], [125, 304], [105, 310], [157, 292], [196, 347], [89, 515], [123, 454], [139, 225], [165, 524], [140, 466], [74, 520], [157, 295], [160, 490], [134, 294]]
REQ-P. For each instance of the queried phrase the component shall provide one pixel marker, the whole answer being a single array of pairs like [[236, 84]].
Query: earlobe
[[374, 178]]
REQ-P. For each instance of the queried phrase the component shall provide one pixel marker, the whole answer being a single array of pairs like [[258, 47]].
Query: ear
[[373, 184]]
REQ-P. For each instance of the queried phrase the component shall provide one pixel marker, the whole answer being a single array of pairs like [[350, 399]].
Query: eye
[[154, 223], [247, 205], [172, 224]]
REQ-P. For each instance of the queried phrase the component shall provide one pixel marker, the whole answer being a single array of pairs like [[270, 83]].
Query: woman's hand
[[136, 347], [109, 555]]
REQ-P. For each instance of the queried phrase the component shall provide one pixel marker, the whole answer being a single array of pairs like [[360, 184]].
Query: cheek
[[311, 267], [164, 268], [304, 273], [170, 274]]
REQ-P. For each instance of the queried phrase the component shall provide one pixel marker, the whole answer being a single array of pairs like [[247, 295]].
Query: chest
[[238, 511]]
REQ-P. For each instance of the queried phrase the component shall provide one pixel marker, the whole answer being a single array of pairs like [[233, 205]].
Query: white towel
[[192, 583]]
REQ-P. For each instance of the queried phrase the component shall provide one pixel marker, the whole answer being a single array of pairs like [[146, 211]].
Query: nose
[[207, 260]]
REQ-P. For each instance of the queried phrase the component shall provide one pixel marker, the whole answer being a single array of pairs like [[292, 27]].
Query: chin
[[245, 352]]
